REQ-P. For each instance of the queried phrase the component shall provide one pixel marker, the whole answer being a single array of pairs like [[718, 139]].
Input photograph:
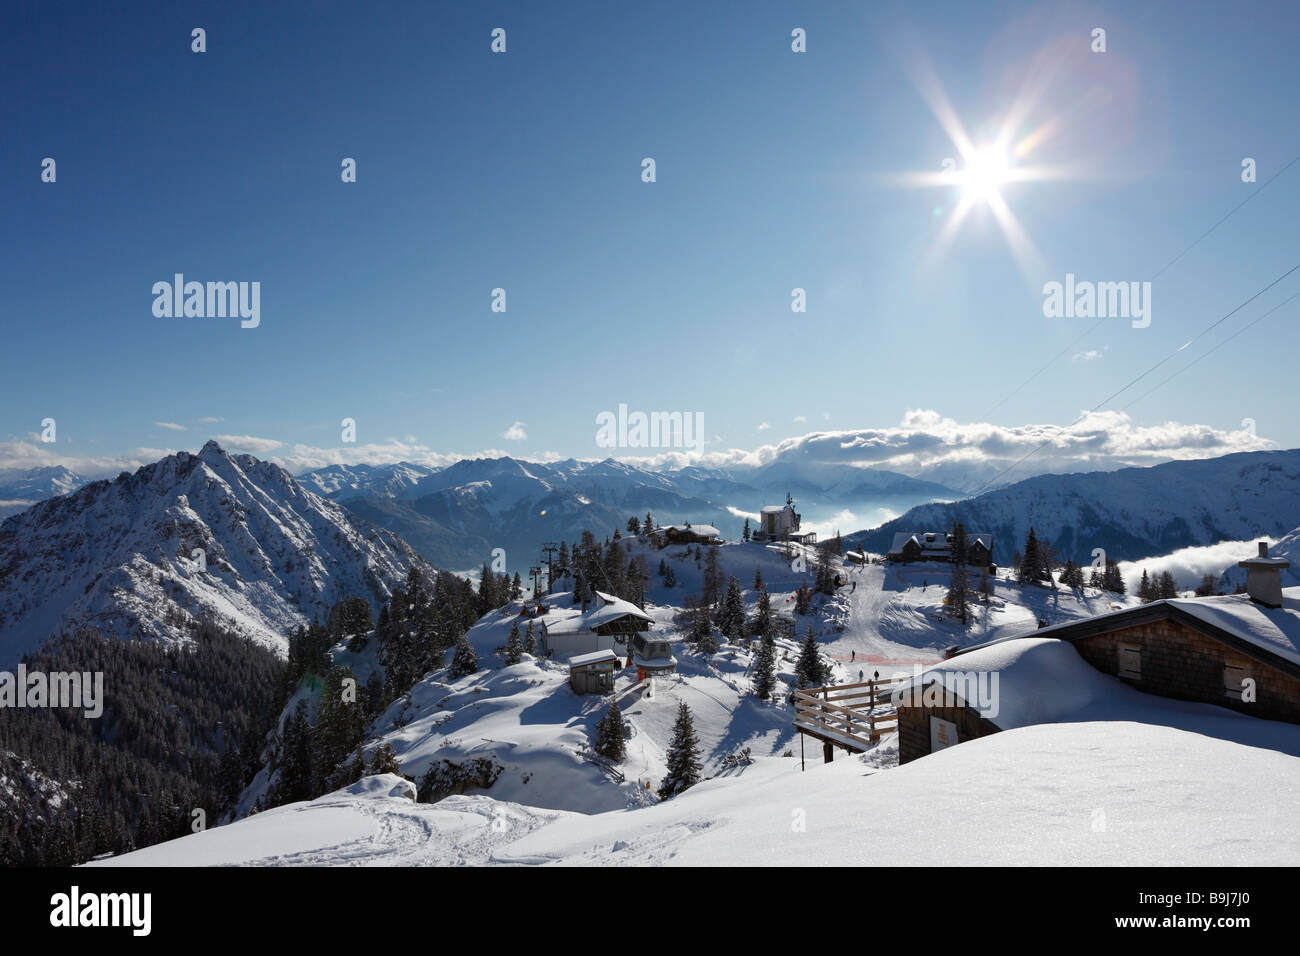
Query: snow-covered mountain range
[[1132, 513], [20, 490], [455, 516], [191, 536]]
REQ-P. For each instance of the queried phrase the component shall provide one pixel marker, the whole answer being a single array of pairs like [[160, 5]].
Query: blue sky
[[522, 170]]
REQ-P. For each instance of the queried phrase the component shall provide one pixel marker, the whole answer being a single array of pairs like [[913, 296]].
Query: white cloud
[[801, 418], [170, 426], [764, 426], [1088, 356], [516, 432], [926, 440], [247, 443], [1188, 565], [211, 421]]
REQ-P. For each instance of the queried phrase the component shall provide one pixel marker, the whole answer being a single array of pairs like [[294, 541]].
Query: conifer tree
[[810, 670], [464, 662], [744, 534], [763, 615], [1112, 580], [530, 640], [711, 592], [611, 734], [764, 667], [1145, 593], [1167, 586], [339, 725], [683, 756], [514, 645], [731, 618], [383, 760], [1031, 570]]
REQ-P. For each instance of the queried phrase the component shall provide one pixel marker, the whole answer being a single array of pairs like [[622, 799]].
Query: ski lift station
[[652, 657], [568, 630]]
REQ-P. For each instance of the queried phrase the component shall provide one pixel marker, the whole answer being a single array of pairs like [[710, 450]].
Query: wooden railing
[[851, 715]]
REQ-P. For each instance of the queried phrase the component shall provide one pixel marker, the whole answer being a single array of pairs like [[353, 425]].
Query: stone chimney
[[1264, 577]]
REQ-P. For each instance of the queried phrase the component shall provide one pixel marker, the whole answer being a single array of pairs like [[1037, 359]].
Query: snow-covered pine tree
[[530, 640], [514, 644], [711, 592], [611, 734], [383, 760], [764, 667], [702, 630], [744, 534], [683, 756], [1145, 593], [464, 662], [763, 614], [731, 618], [810, 670]]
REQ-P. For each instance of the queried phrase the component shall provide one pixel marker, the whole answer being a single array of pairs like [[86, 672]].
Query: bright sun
[[985, 172]]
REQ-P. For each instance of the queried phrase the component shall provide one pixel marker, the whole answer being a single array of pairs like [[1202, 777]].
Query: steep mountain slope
[[1133, 513], [121, 555]]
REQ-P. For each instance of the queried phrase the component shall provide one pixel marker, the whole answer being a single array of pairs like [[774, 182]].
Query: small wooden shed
[[593, 673]]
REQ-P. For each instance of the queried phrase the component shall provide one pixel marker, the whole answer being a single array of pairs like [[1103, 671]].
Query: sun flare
[[985, 172]]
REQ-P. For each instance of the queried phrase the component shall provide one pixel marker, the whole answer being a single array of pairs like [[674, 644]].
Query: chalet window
[[1130, 661], [1234, 679]]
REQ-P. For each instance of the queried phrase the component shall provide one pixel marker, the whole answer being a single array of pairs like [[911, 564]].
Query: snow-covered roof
[[705, 530], [1234, 617], [610, 608], [940, 542], [595, 657], [774, 509], [1272, 629], [571, 620]]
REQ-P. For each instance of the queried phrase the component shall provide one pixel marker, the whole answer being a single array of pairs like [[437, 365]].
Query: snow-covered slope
[[120, 555], [1093, 793], [1132, 513]]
